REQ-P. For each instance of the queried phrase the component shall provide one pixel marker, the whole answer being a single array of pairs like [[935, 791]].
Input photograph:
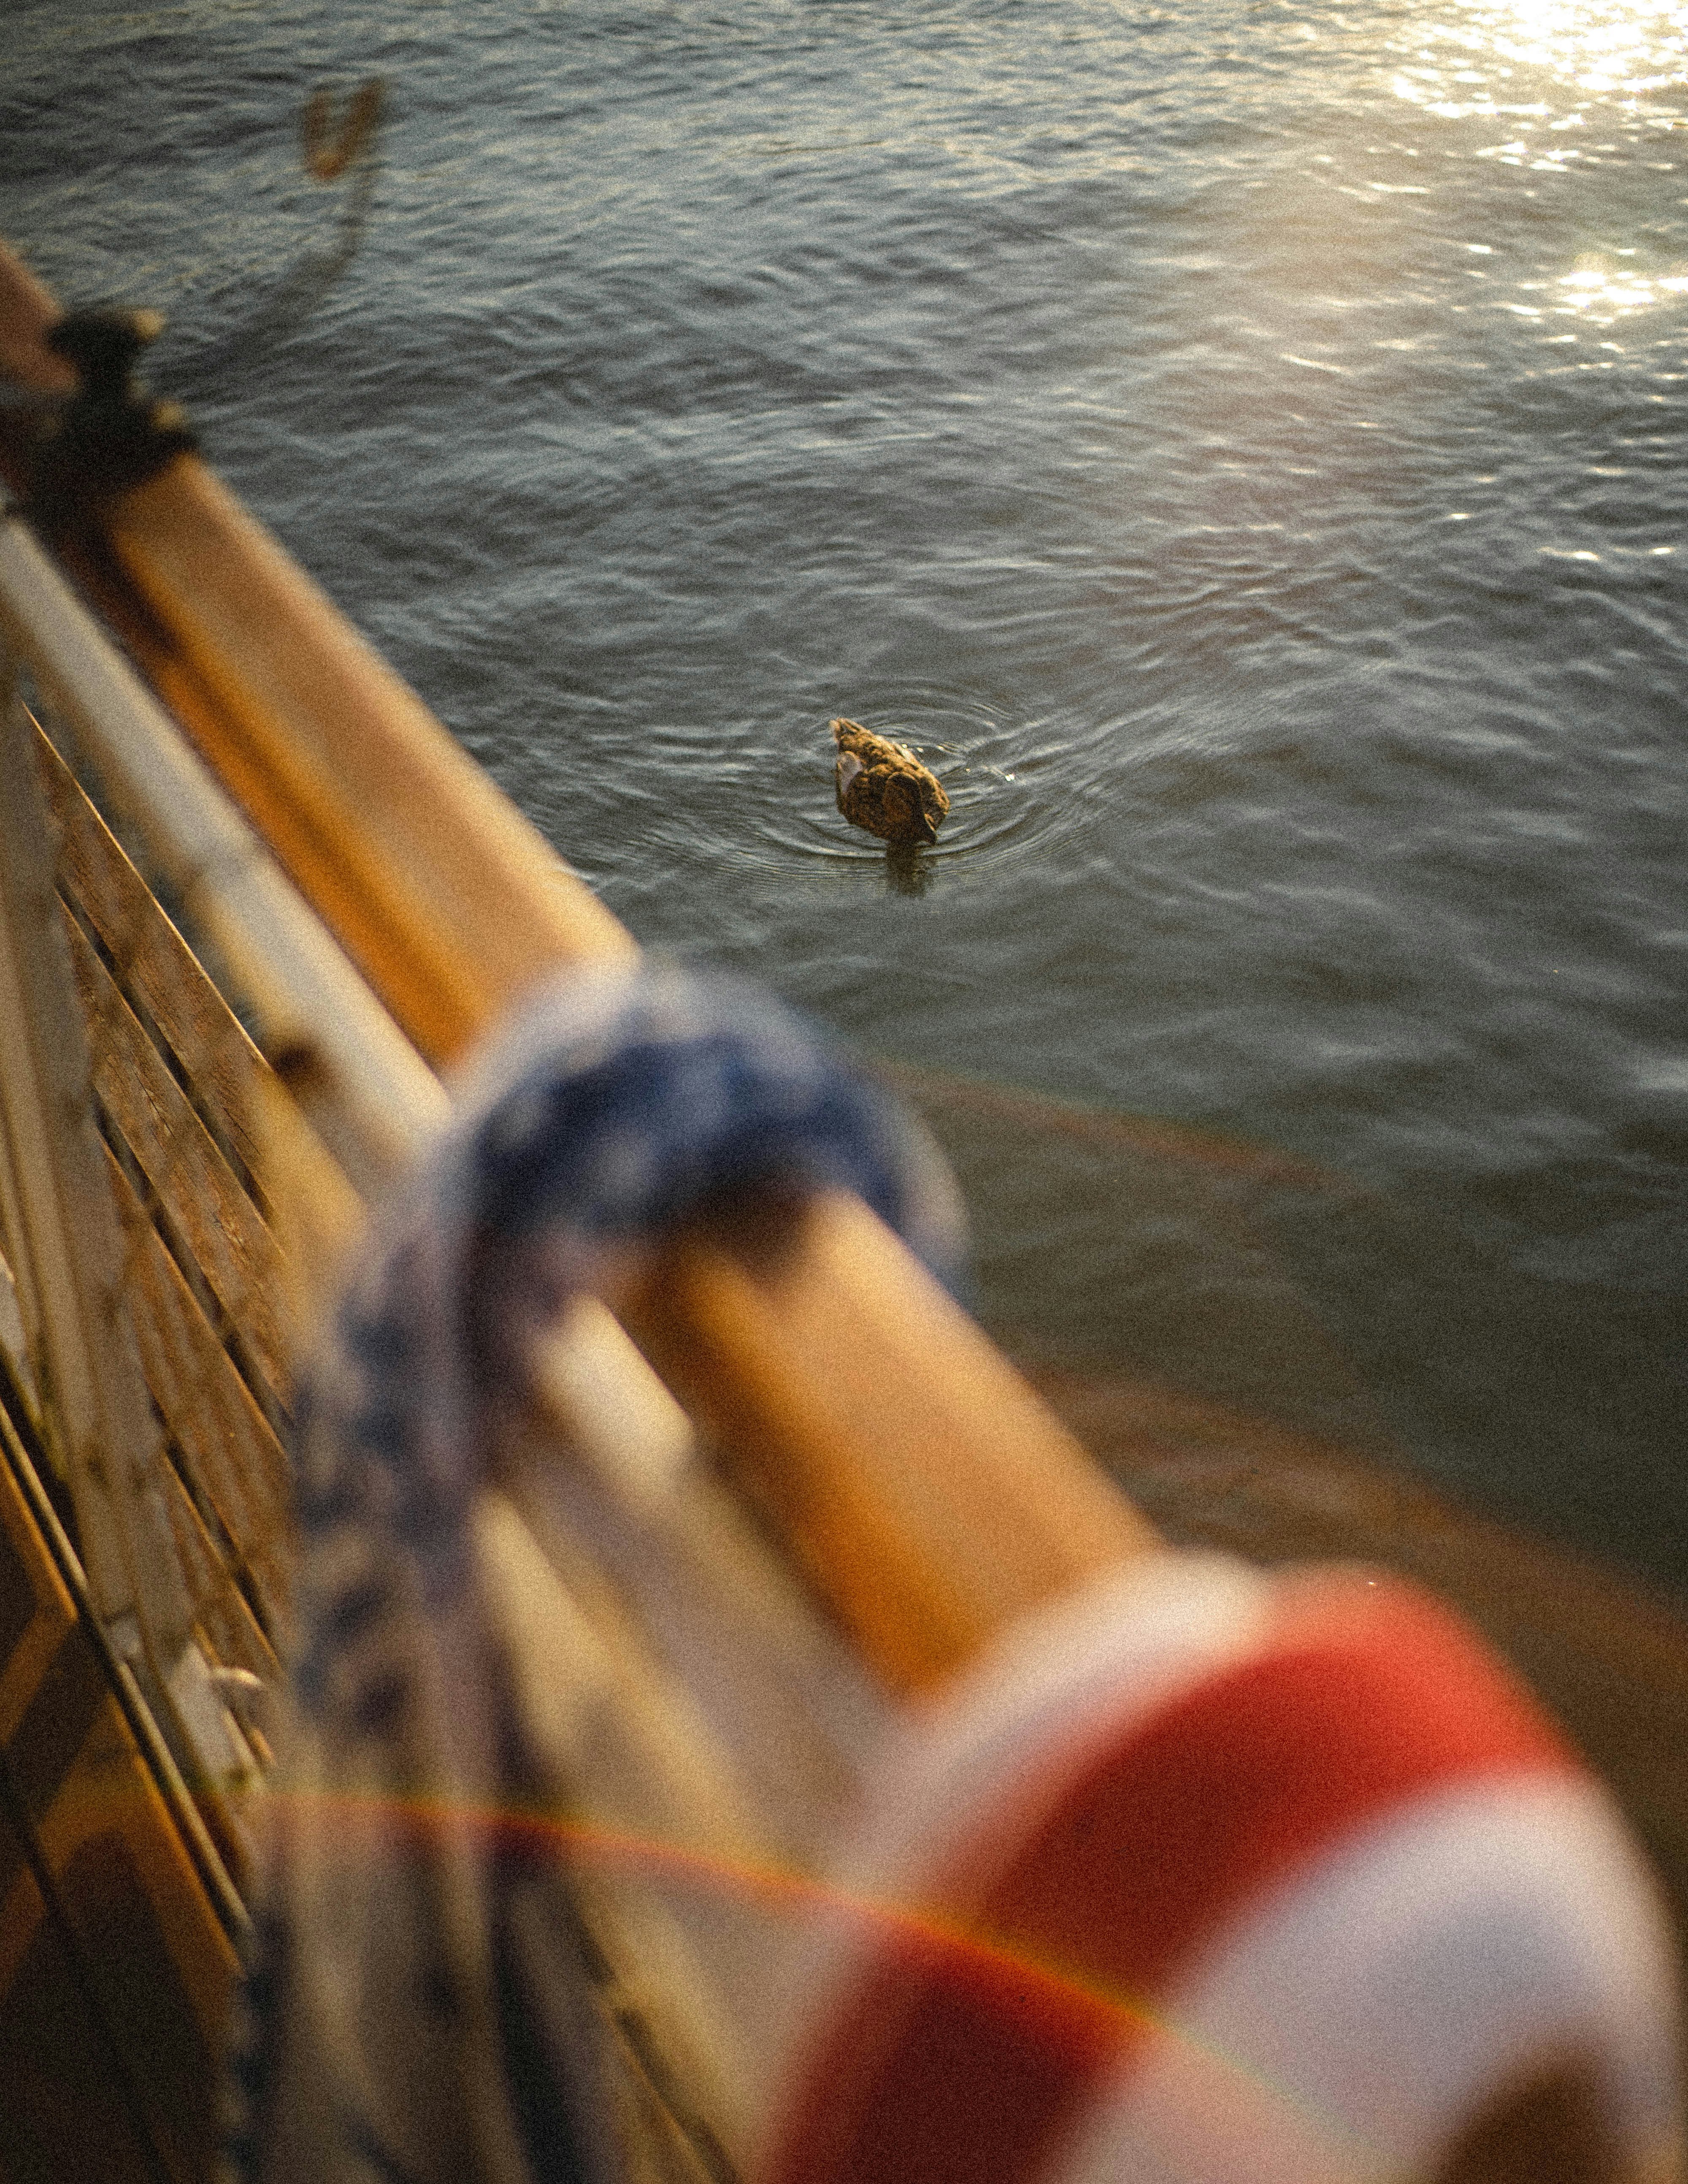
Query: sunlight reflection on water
[[1544, 59]]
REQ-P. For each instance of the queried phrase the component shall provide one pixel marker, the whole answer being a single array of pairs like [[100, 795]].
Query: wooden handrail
[[27, 311], [856, 1404], [444, 895], [901, 1461]]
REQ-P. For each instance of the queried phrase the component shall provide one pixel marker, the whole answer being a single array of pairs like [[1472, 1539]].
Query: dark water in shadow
[[1240, 448]]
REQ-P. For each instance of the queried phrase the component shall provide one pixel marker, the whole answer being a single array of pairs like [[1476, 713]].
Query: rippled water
[[1241, 445]]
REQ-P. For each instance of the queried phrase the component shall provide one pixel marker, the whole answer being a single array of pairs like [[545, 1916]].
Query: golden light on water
[[1603, 292], [1599, 47], [1570, 85], [1547, 58]]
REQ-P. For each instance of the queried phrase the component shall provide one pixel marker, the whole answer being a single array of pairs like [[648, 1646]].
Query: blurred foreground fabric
[[1204, 1874]]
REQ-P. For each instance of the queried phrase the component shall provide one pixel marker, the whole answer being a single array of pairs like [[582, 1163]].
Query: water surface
[[1241, 445]]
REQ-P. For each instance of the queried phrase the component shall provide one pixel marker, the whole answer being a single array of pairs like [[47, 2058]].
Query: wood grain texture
[[236, 1464], [232, 1633], [159, 969], [202, 1197]]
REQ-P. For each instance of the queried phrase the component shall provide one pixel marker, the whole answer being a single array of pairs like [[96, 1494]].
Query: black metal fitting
[[111, 434]]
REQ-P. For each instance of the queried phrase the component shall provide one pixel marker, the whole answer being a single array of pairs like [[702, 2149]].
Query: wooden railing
[[930, 1500]]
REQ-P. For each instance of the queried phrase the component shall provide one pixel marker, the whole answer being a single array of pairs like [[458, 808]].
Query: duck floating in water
[[883, 786]]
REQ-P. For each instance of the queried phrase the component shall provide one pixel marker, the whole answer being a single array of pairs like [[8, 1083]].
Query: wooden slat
[[147, 1940], [59, 1211], [237, 1462], [199, 1191], [231, 1631], [157, 965]]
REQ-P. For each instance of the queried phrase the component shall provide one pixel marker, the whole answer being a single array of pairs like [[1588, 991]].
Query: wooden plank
[[228, 1622], [27, 311], [147, 1940], [198, 1190], [68, 2111], [360, 793], [235, 1461], [965, 1568], [231, 1632], [59, 1211], [156, 964]]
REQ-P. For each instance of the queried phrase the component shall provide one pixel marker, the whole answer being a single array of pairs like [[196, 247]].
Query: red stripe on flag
[[974, 2039]]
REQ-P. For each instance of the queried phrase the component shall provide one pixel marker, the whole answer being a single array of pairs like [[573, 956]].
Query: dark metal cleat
[[111, 434]]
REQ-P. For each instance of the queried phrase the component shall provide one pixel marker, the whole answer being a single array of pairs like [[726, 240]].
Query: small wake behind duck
[[883, 787]]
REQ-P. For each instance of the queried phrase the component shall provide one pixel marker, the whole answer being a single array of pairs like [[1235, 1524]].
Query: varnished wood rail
[[928, 1495]]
